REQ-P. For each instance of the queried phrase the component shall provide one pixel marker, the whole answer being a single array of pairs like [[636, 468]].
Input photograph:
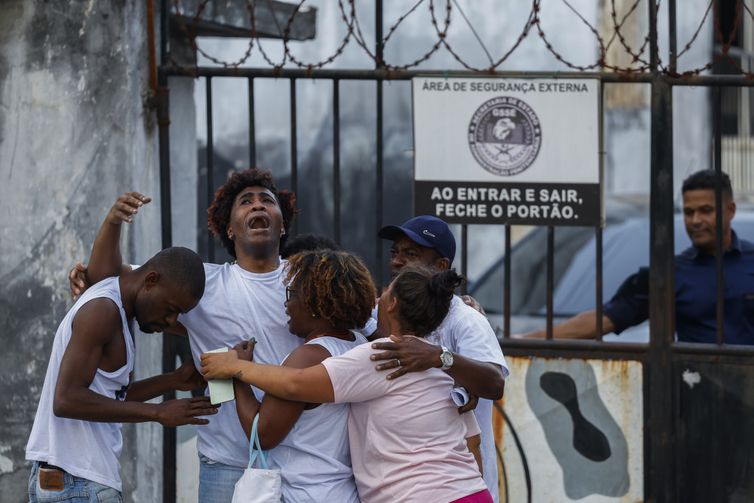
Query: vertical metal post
[[550, 277], [336, 158], [378, 46], [719, 275], [598, 277], [294, 146], [464, 256], [163, 122], [210, 176], [379, 184], [168, 349], [661, 294], [598, 231], [169, 434], [661, 469], [507, 283], [252, 125], [672, 39]]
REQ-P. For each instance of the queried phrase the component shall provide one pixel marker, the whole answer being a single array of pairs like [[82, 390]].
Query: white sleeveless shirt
[[84, 449], [314, 458]]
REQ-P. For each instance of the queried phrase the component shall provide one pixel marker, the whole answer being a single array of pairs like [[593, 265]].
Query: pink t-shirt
[[407, 438]]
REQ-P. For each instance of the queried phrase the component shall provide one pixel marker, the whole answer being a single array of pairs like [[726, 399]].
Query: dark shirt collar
[[735, 247]]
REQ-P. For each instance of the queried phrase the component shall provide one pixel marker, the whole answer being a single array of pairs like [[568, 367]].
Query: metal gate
[[679, 462]]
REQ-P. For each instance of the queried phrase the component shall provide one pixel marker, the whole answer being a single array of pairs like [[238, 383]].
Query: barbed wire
[[618, 33], [338, 51], [615, 28], [690, 43], [582, 68]]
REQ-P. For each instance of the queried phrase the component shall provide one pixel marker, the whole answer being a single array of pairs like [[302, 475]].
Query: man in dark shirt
[[695, 278]]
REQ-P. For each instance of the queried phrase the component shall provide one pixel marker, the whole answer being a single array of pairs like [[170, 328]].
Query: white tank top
[[314, 458], [83, 448]]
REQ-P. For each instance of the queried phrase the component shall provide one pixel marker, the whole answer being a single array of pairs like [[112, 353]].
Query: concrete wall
[[73, 135]]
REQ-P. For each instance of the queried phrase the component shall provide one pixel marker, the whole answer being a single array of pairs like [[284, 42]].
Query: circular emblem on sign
[[505, 135]]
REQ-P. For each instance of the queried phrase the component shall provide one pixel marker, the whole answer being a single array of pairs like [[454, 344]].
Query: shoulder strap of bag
[[255, 447]]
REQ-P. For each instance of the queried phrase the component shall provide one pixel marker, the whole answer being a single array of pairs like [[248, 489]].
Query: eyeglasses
[[289, 293]]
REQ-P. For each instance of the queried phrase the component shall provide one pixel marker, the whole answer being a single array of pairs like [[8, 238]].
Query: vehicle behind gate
[[625, 250]]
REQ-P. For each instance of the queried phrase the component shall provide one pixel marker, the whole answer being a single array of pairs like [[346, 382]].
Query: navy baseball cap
[[424, 230]]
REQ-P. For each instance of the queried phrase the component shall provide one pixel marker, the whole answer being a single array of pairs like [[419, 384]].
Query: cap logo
[[427, 233]]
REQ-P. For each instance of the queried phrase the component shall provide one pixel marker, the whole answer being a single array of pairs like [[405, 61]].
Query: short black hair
[[707, 179], [307, 242], [181, 267], [219, 211], [424, 297]]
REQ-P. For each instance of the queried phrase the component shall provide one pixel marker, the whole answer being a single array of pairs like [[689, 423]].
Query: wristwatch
[[446, 358]]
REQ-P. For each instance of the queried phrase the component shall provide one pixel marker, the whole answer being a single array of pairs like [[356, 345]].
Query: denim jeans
[[217, 481], [75, 490]]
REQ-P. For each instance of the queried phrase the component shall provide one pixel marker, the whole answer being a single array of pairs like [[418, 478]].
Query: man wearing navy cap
[[464, 345], [425, 239]]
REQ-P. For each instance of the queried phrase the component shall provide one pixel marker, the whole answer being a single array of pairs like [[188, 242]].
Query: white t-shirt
[[370, 326], [467, 332], [236, 306], [314, 458], [86, 449], [407, 438]]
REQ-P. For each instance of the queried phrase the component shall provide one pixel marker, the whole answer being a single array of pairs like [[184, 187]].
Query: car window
[[625, 249], [529, 270]]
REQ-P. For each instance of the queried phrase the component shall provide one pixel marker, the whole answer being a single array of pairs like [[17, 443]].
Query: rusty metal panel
[[572, 430]]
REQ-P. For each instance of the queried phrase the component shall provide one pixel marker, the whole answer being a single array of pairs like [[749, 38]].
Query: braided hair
[[334, 285]]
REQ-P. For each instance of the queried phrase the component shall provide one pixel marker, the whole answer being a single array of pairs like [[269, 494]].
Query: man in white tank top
[[76, 439], [464, 345], [242, 300]]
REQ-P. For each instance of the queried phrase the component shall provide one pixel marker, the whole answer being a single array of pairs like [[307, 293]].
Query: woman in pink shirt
[[407, 438]]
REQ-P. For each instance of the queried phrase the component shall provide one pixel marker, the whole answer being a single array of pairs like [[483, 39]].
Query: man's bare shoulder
[[98, 318]]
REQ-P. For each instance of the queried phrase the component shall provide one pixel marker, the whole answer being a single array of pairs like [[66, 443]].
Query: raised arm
[[628, 307], [94, 328], [310, 385], [276, 415], [105, 260]]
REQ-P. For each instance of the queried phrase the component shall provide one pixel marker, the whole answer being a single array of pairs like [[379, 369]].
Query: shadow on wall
[[571, 429]]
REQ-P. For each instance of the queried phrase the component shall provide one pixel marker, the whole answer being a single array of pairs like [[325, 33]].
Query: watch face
[[447, 358]]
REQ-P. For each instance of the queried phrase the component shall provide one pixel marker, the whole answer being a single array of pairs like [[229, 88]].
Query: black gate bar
[[717, 164], [507, 284], [252, 125], [210, 192], [659, 472], [294, 146], [336, 159]]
